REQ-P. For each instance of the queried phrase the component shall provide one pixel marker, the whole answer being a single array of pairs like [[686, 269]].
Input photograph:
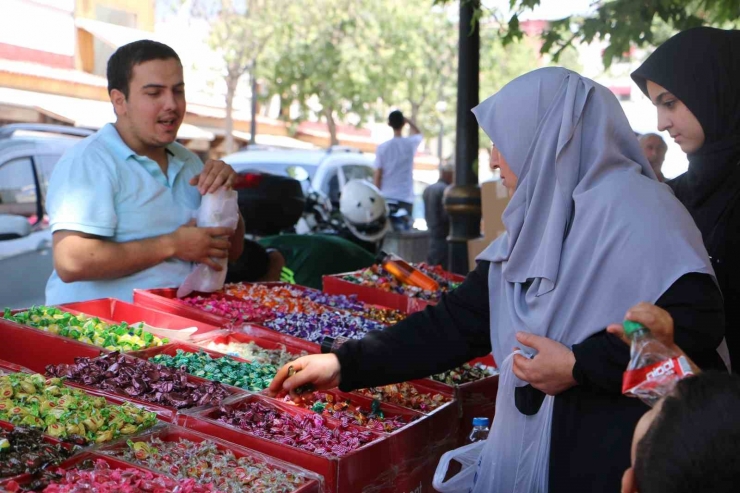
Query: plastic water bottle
[[480, 430], [653, 369]]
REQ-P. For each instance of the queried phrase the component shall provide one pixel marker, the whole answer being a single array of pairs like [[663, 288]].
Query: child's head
[[690, 441]]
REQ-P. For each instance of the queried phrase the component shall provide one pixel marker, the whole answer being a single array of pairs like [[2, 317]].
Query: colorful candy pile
[[33, 400], [206, 464], [344, 410], [254, 353], [121, 337], [235, 310], [23, 450], [279, 299], [287, 299], [315, 327], [464, 374], [248, 376], [377, 277], [305, 432], [405, 395], [141, 379], [99, 477]]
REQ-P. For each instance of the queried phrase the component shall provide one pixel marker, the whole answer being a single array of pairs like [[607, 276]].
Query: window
[[44, 166], [17, 187], [357, 172], [331, 187]]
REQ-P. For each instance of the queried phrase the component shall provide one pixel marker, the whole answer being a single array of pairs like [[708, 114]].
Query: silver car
[[28, 153]]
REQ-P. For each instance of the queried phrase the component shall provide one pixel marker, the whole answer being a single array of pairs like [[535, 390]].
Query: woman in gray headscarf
[[590, 232]]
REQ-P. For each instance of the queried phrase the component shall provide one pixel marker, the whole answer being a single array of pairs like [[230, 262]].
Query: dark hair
[[251, 266], [396, 120], [121, 64], [694, 442]]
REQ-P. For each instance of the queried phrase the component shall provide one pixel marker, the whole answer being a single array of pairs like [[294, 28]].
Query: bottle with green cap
[[654, 368]]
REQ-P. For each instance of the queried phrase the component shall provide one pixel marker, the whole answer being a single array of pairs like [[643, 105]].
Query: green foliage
[[623, 23]]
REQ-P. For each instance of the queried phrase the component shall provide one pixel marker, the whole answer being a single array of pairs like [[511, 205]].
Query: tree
[[622, 23], [332, 59], [240, 33]]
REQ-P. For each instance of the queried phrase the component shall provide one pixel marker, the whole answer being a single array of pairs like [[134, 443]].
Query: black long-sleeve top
[[592, 422]]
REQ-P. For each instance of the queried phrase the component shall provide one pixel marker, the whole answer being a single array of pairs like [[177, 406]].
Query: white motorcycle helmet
[[364, 210]]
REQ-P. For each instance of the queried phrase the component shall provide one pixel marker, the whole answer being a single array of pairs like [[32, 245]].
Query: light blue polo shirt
[[101, 187]]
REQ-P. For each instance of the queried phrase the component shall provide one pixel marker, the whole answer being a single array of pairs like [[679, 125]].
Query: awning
[[113, 35], [84, 113]]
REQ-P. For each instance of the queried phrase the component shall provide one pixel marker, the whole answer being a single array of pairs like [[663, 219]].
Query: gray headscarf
[[589, 233]]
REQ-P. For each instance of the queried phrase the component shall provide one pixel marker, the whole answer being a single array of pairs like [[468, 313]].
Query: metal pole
[[462, 200], [253, 123]]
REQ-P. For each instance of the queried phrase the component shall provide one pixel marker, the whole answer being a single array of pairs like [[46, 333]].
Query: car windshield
[[274, 168]]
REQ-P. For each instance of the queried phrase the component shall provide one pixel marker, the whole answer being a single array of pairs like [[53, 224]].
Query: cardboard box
[[494, 199]]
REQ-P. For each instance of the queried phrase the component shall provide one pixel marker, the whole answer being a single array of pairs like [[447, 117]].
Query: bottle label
[[652, 376]]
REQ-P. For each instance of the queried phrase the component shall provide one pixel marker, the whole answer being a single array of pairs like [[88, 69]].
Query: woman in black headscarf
[[694, 81]]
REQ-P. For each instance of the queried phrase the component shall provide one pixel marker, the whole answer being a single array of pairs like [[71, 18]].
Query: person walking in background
[[394, 162], [438, 222], [654, 148]]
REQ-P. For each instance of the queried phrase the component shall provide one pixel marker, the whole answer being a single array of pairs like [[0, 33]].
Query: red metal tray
[[166, 300], [175, 433], [368, 468], [119, 311]]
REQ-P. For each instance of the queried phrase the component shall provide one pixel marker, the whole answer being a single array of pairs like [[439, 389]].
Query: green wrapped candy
[[254, 377]]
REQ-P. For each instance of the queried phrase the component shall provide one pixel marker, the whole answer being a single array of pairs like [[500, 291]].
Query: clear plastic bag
[[217, 209], [468, 456]]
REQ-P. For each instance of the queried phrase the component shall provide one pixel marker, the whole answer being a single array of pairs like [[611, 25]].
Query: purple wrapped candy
[[315, 327], [140, 379], [308, 432]]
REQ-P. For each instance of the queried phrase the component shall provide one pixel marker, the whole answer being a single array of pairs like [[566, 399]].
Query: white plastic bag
[[217, 209], [462, 482]]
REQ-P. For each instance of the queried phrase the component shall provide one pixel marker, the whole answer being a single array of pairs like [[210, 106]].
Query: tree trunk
[[329, 114], [231, 82], [415, 112]]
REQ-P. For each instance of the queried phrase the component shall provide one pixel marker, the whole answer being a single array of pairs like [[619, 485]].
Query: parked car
[[324, 171], [28, 153]]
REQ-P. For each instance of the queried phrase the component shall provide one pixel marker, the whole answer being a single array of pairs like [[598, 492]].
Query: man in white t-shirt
[[394, 162]]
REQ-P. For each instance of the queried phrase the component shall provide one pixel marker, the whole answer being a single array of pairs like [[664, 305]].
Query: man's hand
[[201, 245], [551, 370], [215, 174]]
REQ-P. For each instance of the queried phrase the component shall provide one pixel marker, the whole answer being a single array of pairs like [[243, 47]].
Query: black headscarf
[[701, 67]]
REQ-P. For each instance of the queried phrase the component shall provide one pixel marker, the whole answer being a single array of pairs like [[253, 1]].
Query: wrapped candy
[[405, 395], [315, 327], [97, 476], [85, 329], [23, 450], [140, 379], [305, 432], [249, 376], [253, 352], [206, 464], [235, 310], [64, 412], [464, 374], [377, 277], [344, 410]]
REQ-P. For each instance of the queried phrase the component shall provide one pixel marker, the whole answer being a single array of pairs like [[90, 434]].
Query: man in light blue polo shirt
[[121, 201]]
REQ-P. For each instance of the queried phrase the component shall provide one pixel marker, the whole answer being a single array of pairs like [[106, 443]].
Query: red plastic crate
[[369, 468], [475, 399], [175, 433], [34, 349], [119, 311]]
